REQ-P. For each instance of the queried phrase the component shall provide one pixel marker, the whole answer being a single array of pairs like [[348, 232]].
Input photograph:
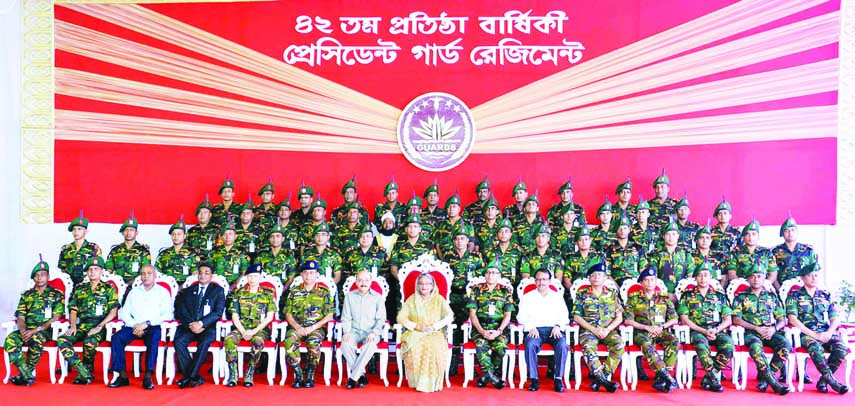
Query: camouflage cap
[[179, 225], [96, 261], [432, 188], [724, 205], [390, 186], [662, 179], [484, 184], [607, 206], [321, 228], [598, 267], [412, 219], [305, 190], [505, 223], [755, 268], [754, 225], [454, 199], [268, 187], [40, 266], [642, 204], [627, 185], [565, 186], [130, 222], [705, 266], [79, 221], [491, 202], [649, 270], [790, 222], [351, 184], [228, 183], [809, 269], [519, 186], [204, 205]]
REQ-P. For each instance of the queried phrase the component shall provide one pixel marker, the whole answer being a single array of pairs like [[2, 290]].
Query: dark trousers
[[533, 345], [150, 337], [188, 366]]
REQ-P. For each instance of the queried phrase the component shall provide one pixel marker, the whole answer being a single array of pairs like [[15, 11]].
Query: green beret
[[365, 229], [414, 201], [484, 184], [542, 227], [566, 209], [318, 203], [413, 218], [754, 268], [724, 205], [80, 221], [180, 225], [204, 205], [390, 186], [505, 223], [705, 266], [607, 206], [356, 204], [789, 223], [672, 226], [754, 225], [464, 229], [582, 232], [96, 261], [494, 263], [519, 186], [41, 266], [624, 186], [285, 203], [249, 205], [684, 202], [491, 202], [565, 186], [432, 188], [703, 230], [276, 229], [321, 228], [532, 198], [809, 269], [663, 178], [624, 220], [305, 190], [642, 204], [454, 199], [268, 187], [228, 225], [228, 183], [130, 222], [351, 184]]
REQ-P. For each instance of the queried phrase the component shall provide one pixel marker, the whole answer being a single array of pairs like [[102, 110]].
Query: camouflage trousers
[[648, 344], [256, 343], [778, 343], [836, 353], [313, 347], [489, 353], [14, 345], [65, 343], [724, 350], [589, 343], [457, 302]]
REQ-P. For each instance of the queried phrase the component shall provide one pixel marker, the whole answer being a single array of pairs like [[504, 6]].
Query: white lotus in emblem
[[436, 128]]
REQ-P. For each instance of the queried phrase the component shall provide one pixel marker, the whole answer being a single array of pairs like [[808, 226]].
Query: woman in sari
[[424, 345]]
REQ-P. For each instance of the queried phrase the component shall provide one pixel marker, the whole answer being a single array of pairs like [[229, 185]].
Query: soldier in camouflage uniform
[[761, 313], [308, 310], [743, 258], [202, 237], [624, 195], [37, 309], [290, 229], [541, 255], [221, 212], [442, 235], [600, 235], [264, 215], [623, 255], [662, 207], [506, 253], [725, 237], [339, 216], [811, 310], [307, 229], [390, 192], [517, 211], [485, 234], [252, 309], [583, 258], [414, 207], [248, 234], [651, 314], [564, 235], [304, 213], [276, 260], [328, 259], [227, 259], [792, 256], [687, 228], [125, 259], [490, 306], [178, 260], [346, 232], [93, 305], [642, 232], [474, 211], [464, 265], [672, 261], [364, 256], [707, 314], [703, 253], [565, 192], [598, 312], [75, 255], [432, 214], [524, 227], [405, 250]]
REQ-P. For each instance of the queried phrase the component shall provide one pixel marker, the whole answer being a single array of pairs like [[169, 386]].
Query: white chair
[[137, 347], [508, 362], [686, 354], [61, 282], [216, 345], [119, 286], [633, 351], [602, 350], [326, 345], [408, 274], [244, 346], [379, 285]]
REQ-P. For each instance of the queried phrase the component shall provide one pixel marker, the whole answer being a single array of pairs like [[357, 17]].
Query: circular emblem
[[436, 131]]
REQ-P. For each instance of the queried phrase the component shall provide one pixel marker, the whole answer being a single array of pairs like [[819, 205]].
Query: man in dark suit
[[197, 309]]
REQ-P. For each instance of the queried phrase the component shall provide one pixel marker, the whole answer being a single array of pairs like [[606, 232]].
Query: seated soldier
[[37, 309], [707, 314], [252, 309], [308, 310], [490, 306], [598, 312], [543, 315], [362, 322]]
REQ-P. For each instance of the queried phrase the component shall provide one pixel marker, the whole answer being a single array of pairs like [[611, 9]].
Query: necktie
[[200, 296]]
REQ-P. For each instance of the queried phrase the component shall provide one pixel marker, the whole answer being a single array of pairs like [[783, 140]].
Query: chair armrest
[[223, 328], [466, 328], [113, 327], [9, 326], [573, 331], [168, 329]]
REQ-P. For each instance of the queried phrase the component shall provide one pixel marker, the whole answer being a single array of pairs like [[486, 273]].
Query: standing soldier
[[125, 259], [276, 260], [390, 192], [623, 255], [227, 259], [506, 253], [464, 266], [662, 207], [485, 234], [414, 207], [541, 255], [364, 256], [202, 237], [222, 211], [599, 313], [327, 259], [750, 253], [290, 229], [642, 232], [760, 312], [307, 228], [405, 250], [624, 195], [442, 235], [707, 313], [178, 260], [306, 197], [474, 212], [651, 314], [308, 310], [703, 253], [248, 234], [565, 192], [672, 261], [348, 193], [432, 214], [564, 235], [37, 309], [811, 310], [75, 255], [252, 309], [581, 259], [346, 232], [93, 304], [725, 237], [687, 228], [792, 256], [600, 234], [490, 306], [264, 215], [524, 226], [516, 211]]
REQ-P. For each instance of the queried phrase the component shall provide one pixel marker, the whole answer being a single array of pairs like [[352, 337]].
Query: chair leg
[[216, 360], [170, 365], [136, 364], [447, 367], [577, 364], [105, 364], [271, 364], [523, 369], [687, 372], [8, 365], [158, 373], [339, 365], [63, 369], [52, 353], [399, 360], [384, 366], [468, 367], [283, 363]]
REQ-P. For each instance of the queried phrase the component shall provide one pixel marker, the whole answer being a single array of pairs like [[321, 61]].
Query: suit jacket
[[189, 306]]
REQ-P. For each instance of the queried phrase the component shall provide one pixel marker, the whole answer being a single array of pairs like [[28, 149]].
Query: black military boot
[[594, 382], [297, 383], [776, 386], [713, 383], [835, 385], [482, 381], [309, 379], [642, 376], [607, 384], [497, 382], [661, 382]]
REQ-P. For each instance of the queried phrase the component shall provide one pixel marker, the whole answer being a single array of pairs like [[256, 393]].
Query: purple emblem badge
[[436, 132]]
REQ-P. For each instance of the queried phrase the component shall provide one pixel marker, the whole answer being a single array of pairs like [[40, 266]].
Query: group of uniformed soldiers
[[516, 241]]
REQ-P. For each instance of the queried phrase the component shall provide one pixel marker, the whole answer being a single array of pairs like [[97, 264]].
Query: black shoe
[[642, 376], [494, 379], [84, 380], [712, 383], [762, 386], [183, 383], [147, 383], [482, 381], [231, 383], [778, 387], [119, 382], [197, 381], [247, 384], [351, 384], [661, 383], [558, 385], [28, 381], [297, 383], [832, 382], [309, 379], [821, 386], [17, 380], [363, 381], [534, 385]]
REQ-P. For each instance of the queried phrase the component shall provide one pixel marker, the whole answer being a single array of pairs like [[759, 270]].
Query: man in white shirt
[[146, 307], [362, 322], [543, 314]]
